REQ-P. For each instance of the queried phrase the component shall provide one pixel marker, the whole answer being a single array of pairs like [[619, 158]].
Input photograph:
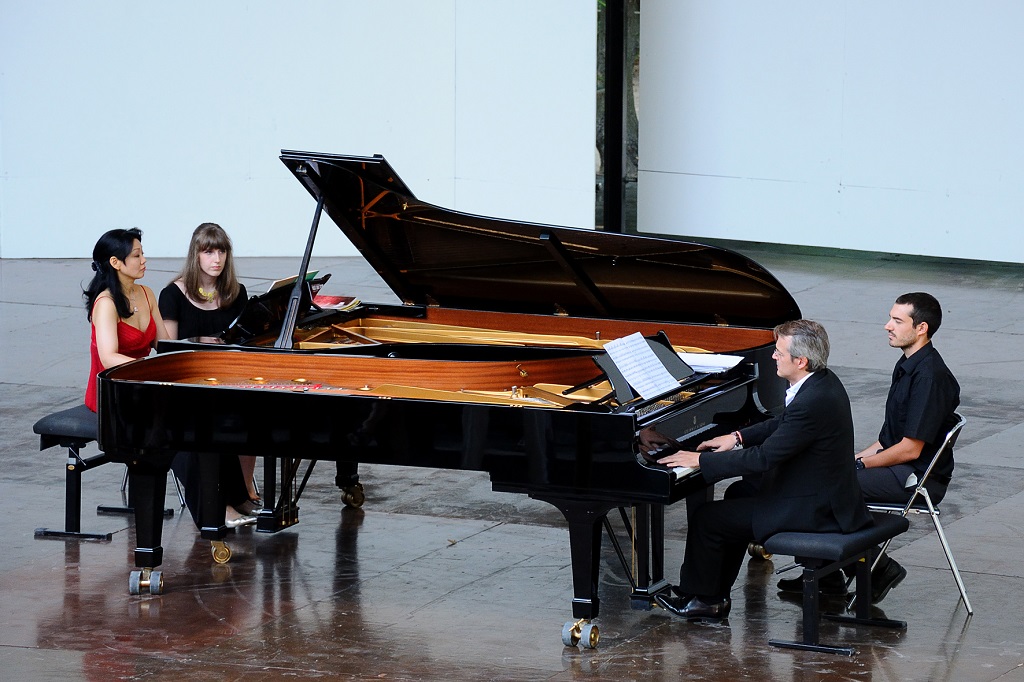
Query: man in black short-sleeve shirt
[[918, 414]]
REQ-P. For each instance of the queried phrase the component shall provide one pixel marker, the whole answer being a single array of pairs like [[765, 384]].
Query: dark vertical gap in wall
[[617, 121]]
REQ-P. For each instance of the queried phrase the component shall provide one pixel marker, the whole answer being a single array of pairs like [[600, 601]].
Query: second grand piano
[[488, 365]]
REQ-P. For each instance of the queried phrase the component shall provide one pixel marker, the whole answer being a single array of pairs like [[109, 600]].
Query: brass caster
[[582, 630], [757, 551], [353, 496], [221, 551]]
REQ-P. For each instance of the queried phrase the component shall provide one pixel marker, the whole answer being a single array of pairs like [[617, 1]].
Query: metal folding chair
[[921, 503]]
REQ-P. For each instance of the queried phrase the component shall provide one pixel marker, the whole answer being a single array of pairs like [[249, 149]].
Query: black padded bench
[[823, 553], [74, 428]]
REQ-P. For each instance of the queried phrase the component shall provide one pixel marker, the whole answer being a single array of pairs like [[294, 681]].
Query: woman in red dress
[[126, 322]]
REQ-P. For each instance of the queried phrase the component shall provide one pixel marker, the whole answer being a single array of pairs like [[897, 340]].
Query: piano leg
[[585, 519], [149, 485], [211, 501]]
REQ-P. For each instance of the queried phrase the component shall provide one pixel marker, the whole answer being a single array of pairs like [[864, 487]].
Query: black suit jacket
[[808, 481]]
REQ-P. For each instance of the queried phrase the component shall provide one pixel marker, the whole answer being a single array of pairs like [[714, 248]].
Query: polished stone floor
[[438, 577]]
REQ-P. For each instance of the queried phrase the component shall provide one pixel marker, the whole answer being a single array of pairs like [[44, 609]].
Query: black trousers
[[889, 484], [185, 466], [716, 542]]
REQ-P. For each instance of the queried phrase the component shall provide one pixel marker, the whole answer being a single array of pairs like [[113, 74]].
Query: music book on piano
[[289, 281], [336, 302]]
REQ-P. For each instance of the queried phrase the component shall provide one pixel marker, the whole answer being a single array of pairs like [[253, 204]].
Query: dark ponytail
[[117, 243]]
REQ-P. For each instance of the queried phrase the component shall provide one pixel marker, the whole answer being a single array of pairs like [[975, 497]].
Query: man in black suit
[[807, 478]]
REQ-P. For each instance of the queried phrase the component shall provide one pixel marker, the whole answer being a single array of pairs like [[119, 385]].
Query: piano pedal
[[582, 630], [353, 495]]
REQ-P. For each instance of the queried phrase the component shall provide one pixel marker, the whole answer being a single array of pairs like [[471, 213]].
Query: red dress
[[130, 342]]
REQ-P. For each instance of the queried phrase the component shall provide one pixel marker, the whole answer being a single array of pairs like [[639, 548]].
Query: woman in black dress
[[202, 301]]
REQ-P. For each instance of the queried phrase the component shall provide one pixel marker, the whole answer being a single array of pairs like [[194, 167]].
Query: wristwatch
[[860, 463]]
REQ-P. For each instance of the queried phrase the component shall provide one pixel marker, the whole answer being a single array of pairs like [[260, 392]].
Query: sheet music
[[710, 363], [640, 366]]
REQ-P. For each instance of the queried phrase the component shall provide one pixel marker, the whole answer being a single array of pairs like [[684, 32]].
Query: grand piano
[[494, 361]]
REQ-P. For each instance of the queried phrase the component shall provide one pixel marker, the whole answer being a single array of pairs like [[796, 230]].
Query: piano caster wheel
[[575, 631], [353, 496], [146, 579], [757, 551], [221, 551]]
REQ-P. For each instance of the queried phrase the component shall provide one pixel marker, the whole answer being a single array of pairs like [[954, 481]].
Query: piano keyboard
[[680, 472], [683, 472]]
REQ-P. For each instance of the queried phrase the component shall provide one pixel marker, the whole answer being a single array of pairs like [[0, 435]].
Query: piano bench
[[73, 428], [823, 553]]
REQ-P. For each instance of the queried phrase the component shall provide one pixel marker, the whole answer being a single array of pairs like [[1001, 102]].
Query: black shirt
[[193, 321], [922, 399]]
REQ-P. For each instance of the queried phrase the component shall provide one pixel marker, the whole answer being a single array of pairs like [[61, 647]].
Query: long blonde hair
[[210, 236]]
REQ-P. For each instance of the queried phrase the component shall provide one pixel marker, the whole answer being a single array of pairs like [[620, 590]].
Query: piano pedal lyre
[[146, 579], [582, 630]]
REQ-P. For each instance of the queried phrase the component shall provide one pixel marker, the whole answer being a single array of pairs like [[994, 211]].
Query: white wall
[[165, 115], [858, 124]]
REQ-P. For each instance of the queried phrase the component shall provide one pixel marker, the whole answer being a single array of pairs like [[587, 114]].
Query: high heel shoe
[[249, 507], [238, 521]]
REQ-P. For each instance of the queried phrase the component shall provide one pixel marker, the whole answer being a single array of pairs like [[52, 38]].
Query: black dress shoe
[[884, 578], [831, 585], [695, 608]]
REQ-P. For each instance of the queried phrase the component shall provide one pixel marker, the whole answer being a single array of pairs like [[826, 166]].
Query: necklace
[[207, 295], [131, 301]]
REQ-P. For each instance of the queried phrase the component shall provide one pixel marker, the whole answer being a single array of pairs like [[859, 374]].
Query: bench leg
[[811, 620], [812, 612], [73, 502], [863, 602]]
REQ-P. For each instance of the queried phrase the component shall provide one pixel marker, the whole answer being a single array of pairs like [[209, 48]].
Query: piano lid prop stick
[[284, 339]]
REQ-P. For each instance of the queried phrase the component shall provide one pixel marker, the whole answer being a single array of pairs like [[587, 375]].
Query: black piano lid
[[434, 256]]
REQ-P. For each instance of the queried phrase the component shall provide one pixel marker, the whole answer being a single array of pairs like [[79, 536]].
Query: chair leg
[[952, 562], [874, 563], [177, 488], [881, 552]]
